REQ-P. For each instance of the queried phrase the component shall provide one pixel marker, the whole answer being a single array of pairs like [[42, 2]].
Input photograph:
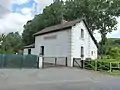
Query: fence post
[[95, 65], [118, 66], [73, 61], [41, 62], [55, 61], [110, 67], [66, 61], [83, 64], [37, 62]]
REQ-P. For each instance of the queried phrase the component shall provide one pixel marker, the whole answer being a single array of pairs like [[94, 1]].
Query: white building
[[69, 39]]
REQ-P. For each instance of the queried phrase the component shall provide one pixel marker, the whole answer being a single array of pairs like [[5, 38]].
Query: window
[[29, 51], [91, 52], [82, 33], [82, 51], [42, 50]]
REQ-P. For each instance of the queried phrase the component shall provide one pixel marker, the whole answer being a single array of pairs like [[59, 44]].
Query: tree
[[11, 43], [51, 15], [100, 14], [114, 52]]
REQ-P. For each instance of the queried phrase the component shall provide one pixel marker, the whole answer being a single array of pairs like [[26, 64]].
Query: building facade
[[69, 39]]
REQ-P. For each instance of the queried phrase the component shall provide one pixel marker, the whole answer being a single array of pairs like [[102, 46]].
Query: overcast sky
[[15, 13]]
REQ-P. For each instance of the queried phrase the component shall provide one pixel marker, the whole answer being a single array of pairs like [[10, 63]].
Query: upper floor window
[[82, 33]]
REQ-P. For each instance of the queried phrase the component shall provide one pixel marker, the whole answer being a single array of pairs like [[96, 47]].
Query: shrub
[[103, 64]]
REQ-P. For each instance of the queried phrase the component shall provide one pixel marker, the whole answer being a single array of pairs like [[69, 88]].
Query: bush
[[103, 64]]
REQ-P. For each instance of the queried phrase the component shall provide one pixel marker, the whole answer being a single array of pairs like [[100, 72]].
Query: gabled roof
[[58, 27], [30, 46], [65, 26]]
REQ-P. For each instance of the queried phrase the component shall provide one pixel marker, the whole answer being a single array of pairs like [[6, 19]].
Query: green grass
[[113, 73]]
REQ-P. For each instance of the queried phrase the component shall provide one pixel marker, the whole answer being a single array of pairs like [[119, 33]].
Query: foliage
[[113, 41], [114, 52], [51, 15], [111, 49], [100, 15], [11, 43], [103, 64], [111, 45]]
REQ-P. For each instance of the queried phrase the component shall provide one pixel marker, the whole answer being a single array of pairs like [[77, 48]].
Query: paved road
[[56, 79]]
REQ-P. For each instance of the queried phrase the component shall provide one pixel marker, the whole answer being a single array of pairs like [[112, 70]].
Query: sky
[[15, 13]]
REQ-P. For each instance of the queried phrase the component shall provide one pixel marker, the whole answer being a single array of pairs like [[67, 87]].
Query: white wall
[[56, 47], [94, 49], [77, 42], [26, 51]]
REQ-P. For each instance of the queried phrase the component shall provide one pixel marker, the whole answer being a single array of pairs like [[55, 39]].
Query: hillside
[[113, 41]]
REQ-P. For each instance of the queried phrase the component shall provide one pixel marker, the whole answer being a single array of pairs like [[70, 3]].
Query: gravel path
[[56, 79]]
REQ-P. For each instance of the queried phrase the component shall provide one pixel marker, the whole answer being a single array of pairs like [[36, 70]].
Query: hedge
[[103, 64]]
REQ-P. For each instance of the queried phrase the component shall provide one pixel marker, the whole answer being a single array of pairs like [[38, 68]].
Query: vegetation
[[51, 15], [10, 43], [113, 48], [100, 15], [103, 64]]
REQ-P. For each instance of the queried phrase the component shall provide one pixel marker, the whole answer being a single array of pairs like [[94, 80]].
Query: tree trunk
[[103, 45]]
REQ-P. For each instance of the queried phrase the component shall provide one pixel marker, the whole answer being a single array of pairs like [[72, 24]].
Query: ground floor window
[[41, 50], [29, 51], [82, 51]]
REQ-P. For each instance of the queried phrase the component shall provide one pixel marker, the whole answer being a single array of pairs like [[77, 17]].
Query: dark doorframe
[[42, 50]]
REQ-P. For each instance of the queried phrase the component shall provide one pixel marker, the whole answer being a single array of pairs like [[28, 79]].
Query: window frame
[[42, 50], [29, 51], [82, 51], [82, 34]]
